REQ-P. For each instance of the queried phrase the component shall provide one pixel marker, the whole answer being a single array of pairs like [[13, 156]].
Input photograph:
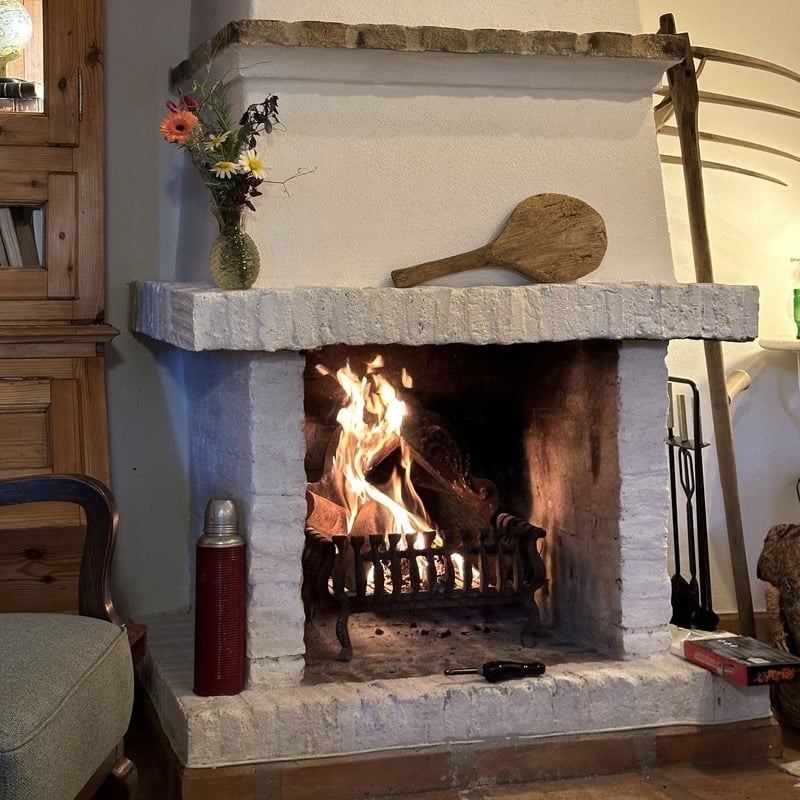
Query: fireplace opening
[[512, 458]]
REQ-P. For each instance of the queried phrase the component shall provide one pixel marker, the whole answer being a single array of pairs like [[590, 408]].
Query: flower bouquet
[[226, 158]]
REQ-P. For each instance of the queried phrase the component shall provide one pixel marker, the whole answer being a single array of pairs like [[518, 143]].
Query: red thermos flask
[[219, 623]]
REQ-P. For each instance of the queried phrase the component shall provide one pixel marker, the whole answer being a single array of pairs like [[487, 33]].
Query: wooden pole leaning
[[685, 101]]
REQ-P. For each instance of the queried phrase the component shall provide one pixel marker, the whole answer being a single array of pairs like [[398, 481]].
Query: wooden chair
[[66, 680]]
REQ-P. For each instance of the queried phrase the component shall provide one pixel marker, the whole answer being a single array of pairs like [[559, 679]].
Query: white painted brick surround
[[246, 355]]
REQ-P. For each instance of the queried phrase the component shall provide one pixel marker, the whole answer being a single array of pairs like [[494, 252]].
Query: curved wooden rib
[[742, 60], [667, 159], [737, 102], [669, 130]]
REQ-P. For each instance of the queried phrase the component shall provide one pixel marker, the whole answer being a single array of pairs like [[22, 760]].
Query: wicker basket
[[785, 696]]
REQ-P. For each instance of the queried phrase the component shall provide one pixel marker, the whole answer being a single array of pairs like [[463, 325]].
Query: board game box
[[742, 659]]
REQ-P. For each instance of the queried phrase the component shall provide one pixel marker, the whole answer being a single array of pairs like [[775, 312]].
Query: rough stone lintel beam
[[422, 39]]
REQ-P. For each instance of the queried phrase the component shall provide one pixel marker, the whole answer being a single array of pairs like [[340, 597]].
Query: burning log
[[324, 515], [330, 487], [386, 441], [436, 449], [372, 517]]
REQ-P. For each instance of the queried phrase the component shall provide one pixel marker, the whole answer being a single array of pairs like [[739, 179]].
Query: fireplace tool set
[[691, 599]]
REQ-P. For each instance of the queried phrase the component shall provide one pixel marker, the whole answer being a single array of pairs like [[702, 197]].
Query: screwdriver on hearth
[[498, 671]]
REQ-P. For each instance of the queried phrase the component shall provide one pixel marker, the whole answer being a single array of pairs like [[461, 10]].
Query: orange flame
[[371, 422]]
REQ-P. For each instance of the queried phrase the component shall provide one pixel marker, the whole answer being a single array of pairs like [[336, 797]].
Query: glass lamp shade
[[16, 29]]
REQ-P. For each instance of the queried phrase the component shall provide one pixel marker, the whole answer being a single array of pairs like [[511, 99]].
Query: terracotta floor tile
[[616, 787], [761, 781], [755, 781]]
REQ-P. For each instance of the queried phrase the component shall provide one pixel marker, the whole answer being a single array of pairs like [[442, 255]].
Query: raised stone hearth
[[422, 713]]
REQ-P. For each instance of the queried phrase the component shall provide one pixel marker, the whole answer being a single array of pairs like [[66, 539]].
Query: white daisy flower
[[250, 162], [216, 139], [225, 169]]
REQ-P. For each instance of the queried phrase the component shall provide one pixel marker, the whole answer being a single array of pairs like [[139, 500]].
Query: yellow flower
[[250, 162], [216, 139], [178, 126], [225, 169]]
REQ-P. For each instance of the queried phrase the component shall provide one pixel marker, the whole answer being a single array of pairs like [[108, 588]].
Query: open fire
[[371, 541], [370, 422]]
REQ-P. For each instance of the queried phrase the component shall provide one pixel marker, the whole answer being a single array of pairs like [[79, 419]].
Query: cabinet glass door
[[21, 56], [40, 75]]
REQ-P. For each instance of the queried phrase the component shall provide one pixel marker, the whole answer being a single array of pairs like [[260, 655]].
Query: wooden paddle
[[549, 238]]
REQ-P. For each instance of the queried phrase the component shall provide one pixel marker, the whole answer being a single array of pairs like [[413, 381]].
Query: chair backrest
[[100, 510]]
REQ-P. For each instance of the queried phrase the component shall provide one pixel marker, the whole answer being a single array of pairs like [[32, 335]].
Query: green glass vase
[[797, 311], [234, 258]]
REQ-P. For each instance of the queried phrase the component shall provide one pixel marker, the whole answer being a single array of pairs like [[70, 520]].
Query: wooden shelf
[[57, 333], [787, 345], [780, 344]]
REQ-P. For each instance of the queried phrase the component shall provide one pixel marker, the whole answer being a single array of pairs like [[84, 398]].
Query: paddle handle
[[411, 276]]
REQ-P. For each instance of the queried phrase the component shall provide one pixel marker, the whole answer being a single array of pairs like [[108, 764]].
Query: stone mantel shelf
[[430, 39], [198, 317]]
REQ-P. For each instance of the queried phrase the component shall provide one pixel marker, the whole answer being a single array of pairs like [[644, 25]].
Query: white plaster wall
[[421, 156], [754, 233], [417, 167], [145, 392]]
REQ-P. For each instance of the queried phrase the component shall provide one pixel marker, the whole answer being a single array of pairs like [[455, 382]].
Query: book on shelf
[[18, 89], [8, 233], [23, 217], [37, 223]]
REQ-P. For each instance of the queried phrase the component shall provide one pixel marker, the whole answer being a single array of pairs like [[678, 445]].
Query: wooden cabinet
[[52, 288]]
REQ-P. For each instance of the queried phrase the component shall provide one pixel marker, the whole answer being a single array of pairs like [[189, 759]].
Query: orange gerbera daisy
[[178, 126]]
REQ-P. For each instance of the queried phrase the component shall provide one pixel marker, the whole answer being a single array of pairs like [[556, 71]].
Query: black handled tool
[[497, 671]]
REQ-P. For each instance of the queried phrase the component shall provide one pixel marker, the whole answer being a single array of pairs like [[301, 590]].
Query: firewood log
[[325, 516], [371, 518]]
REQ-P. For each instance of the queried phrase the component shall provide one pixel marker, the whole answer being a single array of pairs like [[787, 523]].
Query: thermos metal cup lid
[[221, 526]]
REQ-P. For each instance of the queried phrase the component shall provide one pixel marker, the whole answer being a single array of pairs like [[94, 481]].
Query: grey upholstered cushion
[[66, 693]]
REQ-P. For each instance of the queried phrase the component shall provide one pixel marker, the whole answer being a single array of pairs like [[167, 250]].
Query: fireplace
[[566, 386], [608, 518], [527, 431]]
